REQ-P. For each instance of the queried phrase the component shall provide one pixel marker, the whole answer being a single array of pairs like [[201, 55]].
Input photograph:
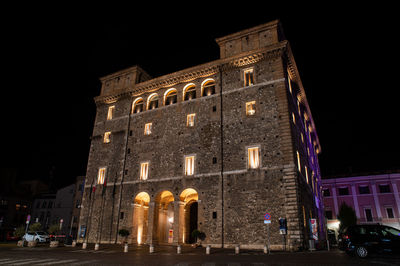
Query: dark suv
[[363, 239]]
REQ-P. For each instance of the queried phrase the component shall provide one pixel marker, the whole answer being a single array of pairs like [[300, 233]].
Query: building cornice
[[203, 70]]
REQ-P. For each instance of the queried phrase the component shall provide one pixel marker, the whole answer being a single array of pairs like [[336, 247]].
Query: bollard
[[178, 249], [84, 245], [74, 243], [237, 249], [265, 249], [208, 249], [126, 247], [151, 248], [96, 246]]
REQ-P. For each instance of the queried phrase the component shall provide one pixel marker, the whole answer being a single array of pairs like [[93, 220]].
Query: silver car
[[38, 236]]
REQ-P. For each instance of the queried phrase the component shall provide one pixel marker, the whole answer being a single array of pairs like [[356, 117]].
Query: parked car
[[364, 239], [38, 236], [11, 237]]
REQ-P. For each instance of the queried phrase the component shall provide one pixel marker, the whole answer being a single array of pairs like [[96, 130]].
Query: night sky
[[54, 58]]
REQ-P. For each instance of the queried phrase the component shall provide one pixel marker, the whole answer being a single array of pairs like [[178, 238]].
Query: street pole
[[268, 243]]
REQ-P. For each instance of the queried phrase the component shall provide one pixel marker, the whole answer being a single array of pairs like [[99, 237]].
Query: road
[[166, 255]]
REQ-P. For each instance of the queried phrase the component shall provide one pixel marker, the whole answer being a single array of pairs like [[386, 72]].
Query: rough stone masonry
[[209, 148]]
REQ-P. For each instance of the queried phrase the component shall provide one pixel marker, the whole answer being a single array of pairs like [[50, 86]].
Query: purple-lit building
[[375, 198]]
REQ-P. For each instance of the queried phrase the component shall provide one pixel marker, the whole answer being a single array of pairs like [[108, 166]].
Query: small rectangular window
[[343, 191], [189, 165], [144, 170], [190, 120], [147, 128], [248, 77], [251, 108], [101, 176], [368, 215], [326, 192], [253, 157], [363, 189], [384, 188], [306, 170], [214, 215], [214, 160], [121, 215], [389, 212], [110, 112], [107, 138]]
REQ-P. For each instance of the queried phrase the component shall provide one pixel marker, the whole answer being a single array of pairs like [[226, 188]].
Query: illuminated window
[[189, 165], [189, 92], [101, 176], [290, 84], [248, 77], [170, 97], [107, 136], [17, 207], [306, 170], [144, 171], [208, 87], [190, 120], [253, 157], [147, 128], [251, 108], [110, 112], [137, 105], [293, 119], [152, 102], [298, 161]]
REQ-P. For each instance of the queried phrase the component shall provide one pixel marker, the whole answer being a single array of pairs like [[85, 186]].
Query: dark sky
[[54, 57]]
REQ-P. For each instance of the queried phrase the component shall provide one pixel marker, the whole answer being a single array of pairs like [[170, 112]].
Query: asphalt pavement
[[10, 254]]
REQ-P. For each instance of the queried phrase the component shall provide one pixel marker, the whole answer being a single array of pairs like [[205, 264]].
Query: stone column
[[177, 225], [150, 229]]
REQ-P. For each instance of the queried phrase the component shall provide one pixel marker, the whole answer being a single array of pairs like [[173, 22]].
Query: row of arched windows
[[171, 96]]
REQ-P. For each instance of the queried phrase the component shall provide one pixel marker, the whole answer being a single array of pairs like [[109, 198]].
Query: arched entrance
[[163, 217], [140, 215], [189, 197]]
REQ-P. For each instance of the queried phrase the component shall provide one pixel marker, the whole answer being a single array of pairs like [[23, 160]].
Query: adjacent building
[[375, 198], [213, 147]]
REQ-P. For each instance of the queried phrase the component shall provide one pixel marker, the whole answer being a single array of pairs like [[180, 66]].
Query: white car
[[36, 236]]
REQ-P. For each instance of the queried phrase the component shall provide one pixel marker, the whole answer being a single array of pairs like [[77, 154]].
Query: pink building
[[375, 198]]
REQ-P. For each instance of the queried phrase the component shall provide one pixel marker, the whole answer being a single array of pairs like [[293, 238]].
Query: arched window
[[189, 92], [170, 97], [207, 87], [137, 105], [152, 101]]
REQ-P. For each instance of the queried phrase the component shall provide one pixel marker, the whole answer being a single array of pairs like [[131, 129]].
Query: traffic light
[[282, 226]]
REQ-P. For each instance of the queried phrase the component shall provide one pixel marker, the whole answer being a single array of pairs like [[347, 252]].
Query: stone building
[[212, 147]]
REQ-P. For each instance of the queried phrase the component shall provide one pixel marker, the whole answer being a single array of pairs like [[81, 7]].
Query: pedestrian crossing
[[43, 261]]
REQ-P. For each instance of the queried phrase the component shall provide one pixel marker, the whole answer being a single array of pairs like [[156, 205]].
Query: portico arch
[[163, 217], [189, 217], [140, 216]]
